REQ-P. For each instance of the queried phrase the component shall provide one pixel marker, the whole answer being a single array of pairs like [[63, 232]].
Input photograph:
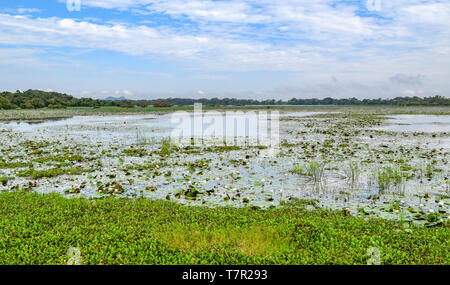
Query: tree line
[[35, 99]]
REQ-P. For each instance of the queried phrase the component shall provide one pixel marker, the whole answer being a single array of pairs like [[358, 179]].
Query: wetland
[[371, 164]]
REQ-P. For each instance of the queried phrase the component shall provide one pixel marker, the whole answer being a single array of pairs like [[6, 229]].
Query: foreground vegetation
[[39, 229]]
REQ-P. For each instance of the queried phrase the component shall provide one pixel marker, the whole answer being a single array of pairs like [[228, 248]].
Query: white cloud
[[214, 11], [20, 10], [112, 4], [28, 10], [318, 39], [27, 57], [406, 79], [409, 92], [145, 41], [46, 90], [127, 92], [138, 40]]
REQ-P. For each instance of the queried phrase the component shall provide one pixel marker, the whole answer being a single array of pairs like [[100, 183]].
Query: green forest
[[35, 99]]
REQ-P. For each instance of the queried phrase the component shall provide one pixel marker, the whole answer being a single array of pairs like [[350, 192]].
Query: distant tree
[[143, 104], [27, 105], [55, 106], [5, 104], [38, 99], [125, 103], [161, 103], [37, 103]]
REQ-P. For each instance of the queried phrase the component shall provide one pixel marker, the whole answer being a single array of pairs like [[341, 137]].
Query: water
[[418, 123], [265, 181], [127, 128]]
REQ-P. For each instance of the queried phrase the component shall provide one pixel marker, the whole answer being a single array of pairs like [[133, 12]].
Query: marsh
[[371, 165]]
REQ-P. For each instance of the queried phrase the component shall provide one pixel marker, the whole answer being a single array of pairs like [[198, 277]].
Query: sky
[[257, 49]]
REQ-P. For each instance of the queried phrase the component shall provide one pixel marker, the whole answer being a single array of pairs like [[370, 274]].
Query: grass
[[316, 171], [4, 180], [222, 148], [353, 172], [58, 158], [51, 172], [299, 169], [39, 229], [135, 152], [4, 164], [389, 175], [313, 169], [166, 147]]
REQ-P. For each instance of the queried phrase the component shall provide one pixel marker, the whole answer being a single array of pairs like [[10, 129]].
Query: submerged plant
[[313, 169], [353, 172], [388, 176], [316, 171], [299, 169], [141, 139], [166, 148]]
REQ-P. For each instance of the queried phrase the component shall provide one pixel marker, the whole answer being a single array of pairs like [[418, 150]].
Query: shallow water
[[418, 123], [132, 127], [230, 177]]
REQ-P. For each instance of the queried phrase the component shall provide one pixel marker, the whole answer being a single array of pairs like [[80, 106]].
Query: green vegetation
[[35, 99], [166, 147], [161, 104], [313, 169], [299, 169], [374, 206], [4, 164], [353, 172], [222, 148], [39, 229], [58, 158], [135, 152], [4, 180], [389, 175], [52, 172], [54, 114]]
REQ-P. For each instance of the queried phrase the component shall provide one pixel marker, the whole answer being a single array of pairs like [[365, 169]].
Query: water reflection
[[417, 123]]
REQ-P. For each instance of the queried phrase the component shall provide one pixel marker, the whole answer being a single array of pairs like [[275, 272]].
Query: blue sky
[[227, 48]]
